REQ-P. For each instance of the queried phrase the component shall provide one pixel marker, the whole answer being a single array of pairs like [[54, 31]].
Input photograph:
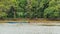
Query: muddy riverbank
[[29, 21]]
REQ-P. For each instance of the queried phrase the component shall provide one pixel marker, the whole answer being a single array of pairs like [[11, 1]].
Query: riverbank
[[29, 21]]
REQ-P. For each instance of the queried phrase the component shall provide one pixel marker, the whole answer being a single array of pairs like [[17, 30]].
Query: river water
[[25, 28]]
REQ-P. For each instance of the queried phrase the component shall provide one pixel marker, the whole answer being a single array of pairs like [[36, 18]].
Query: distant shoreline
[[29, 20]]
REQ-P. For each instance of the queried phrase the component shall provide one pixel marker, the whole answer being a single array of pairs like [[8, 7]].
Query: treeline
[[29, 9]]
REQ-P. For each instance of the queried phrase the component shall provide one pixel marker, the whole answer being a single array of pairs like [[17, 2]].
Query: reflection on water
[[26, 28]]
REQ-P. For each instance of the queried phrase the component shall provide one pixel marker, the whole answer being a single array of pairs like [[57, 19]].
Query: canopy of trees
[[29, 8]]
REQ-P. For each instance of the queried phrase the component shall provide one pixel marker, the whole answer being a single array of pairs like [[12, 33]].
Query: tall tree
[[53, 10]]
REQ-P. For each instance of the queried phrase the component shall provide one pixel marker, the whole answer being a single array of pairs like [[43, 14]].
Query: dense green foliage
[[29, 8]]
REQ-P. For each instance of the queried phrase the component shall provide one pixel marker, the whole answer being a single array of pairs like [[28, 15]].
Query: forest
[[30, 9]]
